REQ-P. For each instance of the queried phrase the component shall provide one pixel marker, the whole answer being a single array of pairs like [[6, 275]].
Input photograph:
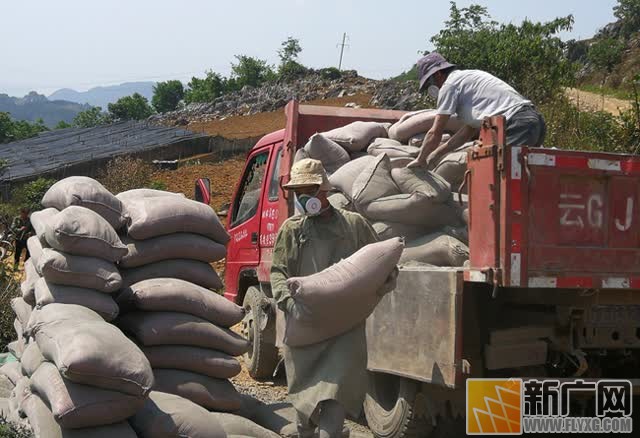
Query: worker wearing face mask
[[327, 381], [472, 95]]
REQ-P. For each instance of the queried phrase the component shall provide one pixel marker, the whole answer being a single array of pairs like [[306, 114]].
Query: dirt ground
[[593, 101], [263, 123]]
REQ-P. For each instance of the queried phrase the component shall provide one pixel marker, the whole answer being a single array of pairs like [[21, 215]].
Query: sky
[[46, 45]]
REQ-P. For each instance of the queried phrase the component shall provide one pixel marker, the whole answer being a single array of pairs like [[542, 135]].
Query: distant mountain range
[[103, 96], [35, 106]]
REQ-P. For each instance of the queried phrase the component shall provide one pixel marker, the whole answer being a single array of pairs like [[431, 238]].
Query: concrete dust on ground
[[594, 101]]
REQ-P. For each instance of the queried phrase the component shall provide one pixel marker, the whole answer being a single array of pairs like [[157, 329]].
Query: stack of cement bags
[[168, 305], [413, 203]]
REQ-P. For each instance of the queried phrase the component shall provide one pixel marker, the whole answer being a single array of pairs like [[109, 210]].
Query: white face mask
[[308, 205], [433, 91]]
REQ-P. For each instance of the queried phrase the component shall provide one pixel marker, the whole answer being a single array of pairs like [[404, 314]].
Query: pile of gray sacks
[[119, 332], [366, 163]]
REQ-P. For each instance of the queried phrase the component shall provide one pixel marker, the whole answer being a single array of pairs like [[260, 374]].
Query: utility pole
[[342, 46]]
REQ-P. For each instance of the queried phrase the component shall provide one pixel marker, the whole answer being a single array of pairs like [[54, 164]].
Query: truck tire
[[259, 327], [395, 408]]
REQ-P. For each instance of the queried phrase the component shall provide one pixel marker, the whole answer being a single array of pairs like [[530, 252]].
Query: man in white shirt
[[473, 95]]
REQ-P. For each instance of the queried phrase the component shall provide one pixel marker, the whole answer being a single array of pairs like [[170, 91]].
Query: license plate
[[614, 315]]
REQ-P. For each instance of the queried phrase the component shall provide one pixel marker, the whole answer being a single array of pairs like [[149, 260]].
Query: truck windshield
[[246, 205]]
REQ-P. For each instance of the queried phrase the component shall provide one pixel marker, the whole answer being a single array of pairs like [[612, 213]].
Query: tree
[[14, 130], [251, 71], [290, 50], [30, 194], [134, 107], [90, 118], [530, 57], [62, 125], [605, 54], [205, 90], [167, 95], [628, 12]]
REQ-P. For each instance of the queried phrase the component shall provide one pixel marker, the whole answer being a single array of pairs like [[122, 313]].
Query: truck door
[[243, 250], [269, 224]]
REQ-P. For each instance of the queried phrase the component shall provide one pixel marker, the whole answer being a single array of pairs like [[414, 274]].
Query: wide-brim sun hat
[[308, 172], [430, 64]]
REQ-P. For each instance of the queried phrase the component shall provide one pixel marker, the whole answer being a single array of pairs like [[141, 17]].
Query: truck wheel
[[395, 408], [259, 327]]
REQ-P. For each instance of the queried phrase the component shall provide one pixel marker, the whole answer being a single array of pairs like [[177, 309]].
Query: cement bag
[[17, 326], [345, 294], [16, 348], [436, 249], [35, 250], [461, 233], [5, 387], [79, 271], [174, 295], [416, 208], [76, 406], [85, 192], [200, 273], [389, 230], [212, 394], [54, 313], [39, 221], [397, 163], [210, 363], [119, 430], [418, 122], [421, 180], [153, 217], [12, 370], [235, 425], [103, 304], [331, 154], [301, 154], [417, 140], [338, 200], [171, 328], [343, 178], [393, 148], [373, 183], [96, 353], [80, 231], [22, 311], [452, 168], [129, 195], [31, 359], [173, 246], [274, 416], [171, 416], [40, 418], [357, 136], [31, 277]]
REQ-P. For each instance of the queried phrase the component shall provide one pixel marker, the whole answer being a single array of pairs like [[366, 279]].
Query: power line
[[342, 46]]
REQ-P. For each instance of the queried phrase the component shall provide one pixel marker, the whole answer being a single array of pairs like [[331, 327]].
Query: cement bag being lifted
[[331, 154], [393, 149], [80, 231], [197, 360], [144, 193], [421, 180], [200, 273], [171, 416], [85, 192], [35, 251], [235, 425], [171, 328], [345, 294], [103, 304], [39, 220], [172, 246], [79, 271], [343, 178], [27, 287], [212, 394], [418, 122], [153, 217], [76, 406], [452, 168], [174, 295], [436, 249], [31, 359], [356, 136], [96, 353]]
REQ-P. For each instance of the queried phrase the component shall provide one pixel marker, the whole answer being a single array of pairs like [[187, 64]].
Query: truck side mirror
[[203, 190]]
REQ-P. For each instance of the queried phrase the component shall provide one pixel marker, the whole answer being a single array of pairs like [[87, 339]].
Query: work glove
[[390, 284]]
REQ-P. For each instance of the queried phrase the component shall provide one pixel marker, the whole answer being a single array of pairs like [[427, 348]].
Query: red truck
[[553, 287]]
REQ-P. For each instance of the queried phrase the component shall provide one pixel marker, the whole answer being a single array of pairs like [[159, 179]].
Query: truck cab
[[552, 288]]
